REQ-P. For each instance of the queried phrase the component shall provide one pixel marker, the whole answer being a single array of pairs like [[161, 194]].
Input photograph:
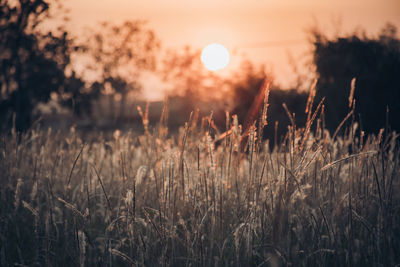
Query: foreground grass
[[197, 199]]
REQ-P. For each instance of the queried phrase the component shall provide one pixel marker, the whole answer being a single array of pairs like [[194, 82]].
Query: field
[[201, 197]]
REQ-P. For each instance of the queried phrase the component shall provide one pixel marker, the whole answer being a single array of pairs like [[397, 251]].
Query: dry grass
[[154, 200]]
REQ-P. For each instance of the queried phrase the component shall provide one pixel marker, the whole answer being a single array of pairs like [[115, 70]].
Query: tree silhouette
[[79, 97], [192, 86], [245, 91], [188, 76], [32, 63], [118, 55], [374, 62], [246, 87]]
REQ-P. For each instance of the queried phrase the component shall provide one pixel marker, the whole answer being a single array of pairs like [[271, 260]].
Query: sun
[[215, 57]]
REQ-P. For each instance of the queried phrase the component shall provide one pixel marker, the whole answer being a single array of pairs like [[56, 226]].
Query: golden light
[[215, 57]]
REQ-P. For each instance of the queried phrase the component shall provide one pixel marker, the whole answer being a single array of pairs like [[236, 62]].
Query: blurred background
[[91, 64]]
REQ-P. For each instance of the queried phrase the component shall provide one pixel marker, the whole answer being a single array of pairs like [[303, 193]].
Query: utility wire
[[273, 43]]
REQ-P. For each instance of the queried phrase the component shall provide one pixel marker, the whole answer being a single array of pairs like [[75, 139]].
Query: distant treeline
[[36, 67], [371, 64]]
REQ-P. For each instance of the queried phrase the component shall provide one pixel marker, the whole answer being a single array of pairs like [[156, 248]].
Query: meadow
[[201, 197]]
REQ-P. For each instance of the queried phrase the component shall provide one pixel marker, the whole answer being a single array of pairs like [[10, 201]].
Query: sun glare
[[215, 57]]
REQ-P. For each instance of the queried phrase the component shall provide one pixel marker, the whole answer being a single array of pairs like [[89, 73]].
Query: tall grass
[[201, 198]]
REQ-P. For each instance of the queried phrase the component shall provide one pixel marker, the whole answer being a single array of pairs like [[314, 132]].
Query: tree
[[189, 78], [192, 86], [374, 62], [247, 88], [118, 55], [32, 63], [77, 96]]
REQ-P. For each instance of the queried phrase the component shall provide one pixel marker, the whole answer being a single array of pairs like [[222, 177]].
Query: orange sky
[[241, 25]]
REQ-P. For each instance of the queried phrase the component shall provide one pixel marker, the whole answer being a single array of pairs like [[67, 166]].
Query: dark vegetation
[[375, 63], [36, 67], [36, 64], [32, 64]]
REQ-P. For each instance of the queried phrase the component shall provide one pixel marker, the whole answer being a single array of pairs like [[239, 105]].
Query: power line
[[273, 43]]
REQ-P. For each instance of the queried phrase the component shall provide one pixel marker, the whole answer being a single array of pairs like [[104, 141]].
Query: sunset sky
[[266, 31]]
